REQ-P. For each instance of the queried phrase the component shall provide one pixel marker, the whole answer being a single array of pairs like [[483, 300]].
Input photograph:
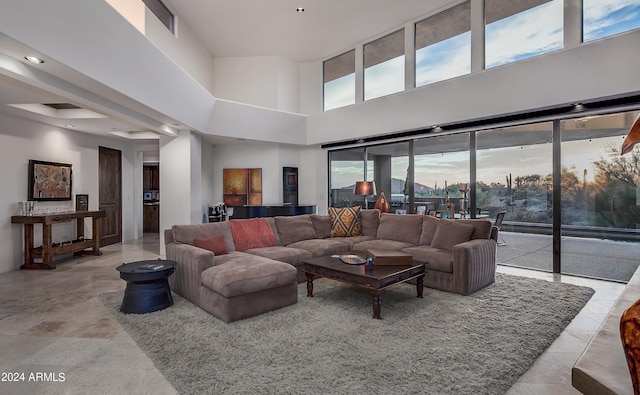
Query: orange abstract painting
[[242, 187]]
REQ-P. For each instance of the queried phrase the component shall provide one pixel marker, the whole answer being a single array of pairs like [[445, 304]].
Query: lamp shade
[[365, 188]]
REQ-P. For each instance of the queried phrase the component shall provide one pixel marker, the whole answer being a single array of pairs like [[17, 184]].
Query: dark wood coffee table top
[[375, 280]]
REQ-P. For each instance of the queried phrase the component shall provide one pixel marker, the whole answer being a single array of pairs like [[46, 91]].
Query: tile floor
[[52, 323]]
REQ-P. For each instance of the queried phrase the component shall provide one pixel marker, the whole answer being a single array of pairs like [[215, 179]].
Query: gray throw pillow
[[451, 232], [295, 228]]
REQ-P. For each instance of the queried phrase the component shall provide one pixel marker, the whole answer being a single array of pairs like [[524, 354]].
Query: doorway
[[110, 191]]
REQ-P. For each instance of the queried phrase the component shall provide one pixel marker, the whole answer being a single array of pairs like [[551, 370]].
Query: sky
[[493, 165], [529, 33], [523, 35]]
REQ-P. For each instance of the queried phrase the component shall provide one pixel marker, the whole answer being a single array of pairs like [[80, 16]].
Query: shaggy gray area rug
[[329, 344]]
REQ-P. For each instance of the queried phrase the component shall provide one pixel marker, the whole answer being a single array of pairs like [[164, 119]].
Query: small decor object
[[633, 137], [365, 188], [630, 336], [49, 181], [26, 208], [382, 203], [421, 210], [401, 212], [352, 259], [242, 187], [82, 202], [464, 199]]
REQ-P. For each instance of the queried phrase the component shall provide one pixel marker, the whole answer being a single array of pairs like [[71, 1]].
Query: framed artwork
[[242, 187], [401, 212], [421, 210], [49, 181], [290, 185]]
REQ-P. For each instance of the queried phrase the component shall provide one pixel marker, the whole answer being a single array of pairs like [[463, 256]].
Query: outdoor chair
[[498, 224]]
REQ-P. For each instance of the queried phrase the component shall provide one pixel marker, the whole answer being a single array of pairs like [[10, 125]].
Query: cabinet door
[[146, 178], [155, 177]]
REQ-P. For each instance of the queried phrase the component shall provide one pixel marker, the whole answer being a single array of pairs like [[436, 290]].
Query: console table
[[48, 249]]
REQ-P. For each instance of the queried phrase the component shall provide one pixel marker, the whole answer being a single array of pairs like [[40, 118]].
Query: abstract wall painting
[[242, 187], [49, 180]]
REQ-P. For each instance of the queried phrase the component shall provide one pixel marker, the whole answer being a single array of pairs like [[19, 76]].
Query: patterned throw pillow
[[345, 222]]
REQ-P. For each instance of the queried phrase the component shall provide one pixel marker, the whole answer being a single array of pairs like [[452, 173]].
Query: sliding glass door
[[600, 198], [514, 175]]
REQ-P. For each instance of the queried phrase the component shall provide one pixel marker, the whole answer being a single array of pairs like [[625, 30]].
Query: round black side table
[[147, 285]]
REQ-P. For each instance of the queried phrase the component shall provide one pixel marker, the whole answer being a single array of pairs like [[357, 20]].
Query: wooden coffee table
[[375, 280]]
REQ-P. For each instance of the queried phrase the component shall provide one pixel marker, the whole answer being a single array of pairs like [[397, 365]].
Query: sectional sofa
[[240, 268]]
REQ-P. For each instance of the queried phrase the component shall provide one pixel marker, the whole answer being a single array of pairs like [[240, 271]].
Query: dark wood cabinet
[[151, 218], [151, 177]]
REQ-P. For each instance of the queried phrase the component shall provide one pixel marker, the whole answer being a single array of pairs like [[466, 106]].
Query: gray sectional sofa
[[460, 257]]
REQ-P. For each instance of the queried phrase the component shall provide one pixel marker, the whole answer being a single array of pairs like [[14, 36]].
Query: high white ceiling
[[274, 27], [233, 29]]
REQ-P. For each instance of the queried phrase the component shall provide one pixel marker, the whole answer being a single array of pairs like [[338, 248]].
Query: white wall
[[310, 161], [594, 70], [313, 178], [195, 175], [311, 88], [183, 48], [208, 180], [264, 81], [175, 180], [21, 140]]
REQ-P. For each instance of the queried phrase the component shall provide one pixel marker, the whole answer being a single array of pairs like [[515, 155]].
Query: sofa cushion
[[406, 228], [381, 244], [292, 256], [481, 228], [216, 245], [369, 220], [434, 258], [451, 232], [429, 226], [322, 225], [243, 273], [352, 241], [320, 247], [252, 233], [187, 233], [295, 228], [345, 222]]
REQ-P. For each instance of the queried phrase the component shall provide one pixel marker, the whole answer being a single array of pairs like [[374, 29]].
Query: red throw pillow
[[213, 244]]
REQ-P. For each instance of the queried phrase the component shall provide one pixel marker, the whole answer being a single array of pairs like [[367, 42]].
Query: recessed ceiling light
[[69, 126], [34, 59], [300, 9]]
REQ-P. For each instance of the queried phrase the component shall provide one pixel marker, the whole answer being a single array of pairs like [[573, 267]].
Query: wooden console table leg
[[420, 286], [80, 228], [28, 245], [47, 253], [95, 229]]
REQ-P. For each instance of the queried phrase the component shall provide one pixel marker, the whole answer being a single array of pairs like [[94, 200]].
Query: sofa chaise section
[[233, 285]]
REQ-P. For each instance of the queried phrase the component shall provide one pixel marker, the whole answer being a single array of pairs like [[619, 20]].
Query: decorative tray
[[352, 259]]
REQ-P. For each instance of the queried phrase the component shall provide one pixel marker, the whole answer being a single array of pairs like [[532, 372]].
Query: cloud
[[603, 18], [443, 60], [529, 33], [340, 92], [384, 78]]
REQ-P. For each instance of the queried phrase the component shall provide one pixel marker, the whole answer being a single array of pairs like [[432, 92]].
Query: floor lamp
[[365, 188]]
